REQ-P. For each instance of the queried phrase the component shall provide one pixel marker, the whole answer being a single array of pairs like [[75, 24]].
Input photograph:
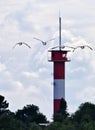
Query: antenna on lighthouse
[[59, 31]]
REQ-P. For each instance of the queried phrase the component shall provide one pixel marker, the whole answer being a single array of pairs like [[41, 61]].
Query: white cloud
[[31, 74], [2, 67], [25, 74], [78, 69]]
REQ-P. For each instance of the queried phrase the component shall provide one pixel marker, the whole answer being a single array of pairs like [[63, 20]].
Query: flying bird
[[83, 47], [62, 47], [20, 44], [43, 42], [68, 47]]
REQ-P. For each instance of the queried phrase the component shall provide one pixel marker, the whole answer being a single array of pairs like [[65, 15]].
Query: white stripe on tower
[[59, 88]]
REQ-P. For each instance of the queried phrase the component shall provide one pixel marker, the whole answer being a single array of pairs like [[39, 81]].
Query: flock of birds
[[45, 43], [74, 48], [23, 43]]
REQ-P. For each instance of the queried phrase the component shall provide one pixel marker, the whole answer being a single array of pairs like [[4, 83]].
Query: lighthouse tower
[[58, 57]]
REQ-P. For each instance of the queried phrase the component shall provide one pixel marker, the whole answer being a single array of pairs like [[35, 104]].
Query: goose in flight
[[83, 47], [43, 42], [20, 44]]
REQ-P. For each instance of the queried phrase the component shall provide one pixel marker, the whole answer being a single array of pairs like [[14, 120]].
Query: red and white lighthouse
[[58, 57]]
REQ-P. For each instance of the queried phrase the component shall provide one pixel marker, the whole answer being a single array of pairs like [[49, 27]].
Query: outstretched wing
[[68, 47], [54, 47], [26, 44], [38, 39], [57, 47], [15, 45], [83, 47], [64, 47], [89, 47]]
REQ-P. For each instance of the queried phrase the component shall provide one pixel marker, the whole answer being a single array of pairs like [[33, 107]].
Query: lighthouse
[[58, 57]]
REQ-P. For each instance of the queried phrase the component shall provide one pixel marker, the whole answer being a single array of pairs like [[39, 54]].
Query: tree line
[[30, 118]]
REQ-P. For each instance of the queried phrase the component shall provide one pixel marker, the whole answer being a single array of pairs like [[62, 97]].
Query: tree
[[85, 113], [53, 126], [3, 104], [34, 126], [63, 108], [65, 125], [9, 122], [62, 113], [87, 126], [30, 113]]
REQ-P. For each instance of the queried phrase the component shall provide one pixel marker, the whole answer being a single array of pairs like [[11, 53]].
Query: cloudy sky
[[26, 76]]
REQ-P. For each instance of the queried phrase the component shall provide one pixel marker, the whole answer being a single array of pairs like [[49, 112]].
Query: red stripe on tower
[[58, 57]]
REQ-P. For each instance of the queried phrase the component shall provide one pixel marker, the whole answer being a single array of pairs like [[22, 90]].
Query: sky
[[26, 76]]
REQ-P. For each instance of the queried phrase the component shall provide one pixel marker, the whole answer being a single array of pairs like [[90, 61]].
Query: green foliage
[[3, 104], [29, 117], [30, 113], [87, 126], [58, 117], [22, 119], [34, 126], [82, 119], [8, 122], [65, 125], [63, 108], [85, 113], [53, 126], [62, 113]]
